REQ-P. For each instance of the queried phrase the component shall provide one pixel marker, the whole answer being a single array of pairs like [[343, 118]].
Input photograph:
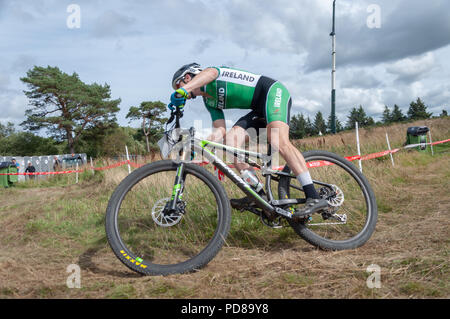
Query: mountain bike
[[173, 215]]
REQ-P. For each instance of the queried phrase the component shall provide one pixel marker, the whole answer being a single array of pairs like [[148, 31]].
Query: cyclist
[[269, 103]]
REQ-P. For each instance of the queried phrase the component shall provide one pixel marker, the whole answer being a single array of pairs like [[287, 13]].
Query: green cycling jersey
[[239, 89]]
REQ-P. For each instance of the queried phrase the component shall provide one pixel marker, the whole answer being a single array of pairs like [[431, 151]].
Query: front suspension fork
[[177, 187]]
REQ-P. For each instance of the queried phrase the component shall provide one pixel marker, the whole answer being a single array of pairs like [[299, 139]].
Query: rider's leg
[[236, 137], [278, 135]]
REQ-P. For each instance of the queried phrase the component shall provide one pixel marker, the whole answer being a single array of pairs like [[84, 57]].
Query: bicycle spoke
[[167, 238], [351, 216]]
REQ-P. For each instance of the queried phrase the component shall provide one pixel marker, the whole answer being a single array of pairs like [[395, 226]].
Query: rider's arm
[[206, 76], [219, 131]]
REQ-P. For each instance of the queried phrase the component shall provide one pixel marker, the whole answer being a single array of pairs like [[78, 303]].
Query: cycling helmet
[[193, 68]]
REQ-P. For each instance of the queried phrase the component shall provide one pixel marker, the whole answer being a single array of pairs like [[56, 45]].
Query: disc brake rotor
[[335, 196], [164, 219]]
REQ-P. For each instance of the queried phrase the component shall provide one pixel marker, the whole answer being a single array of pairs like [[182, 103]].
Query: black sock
[[310, 191]]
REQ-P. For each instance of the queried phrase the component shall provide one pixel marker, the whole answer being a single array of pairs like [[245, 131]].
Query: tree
[[66, 106], [92, 141], [418, 111], [27, 144], [397, 115], [115, 141], [357, 115], [151, 115], [352, 118], [360, 116], [387, 116], [6, 130], [369, 121], [319, 123], [297, 127], [339, 126], [444, 113], [309, 127]]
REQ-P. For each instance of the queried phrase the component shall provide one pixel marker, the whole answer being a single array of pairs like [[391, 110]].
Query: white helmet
[[193, 68]]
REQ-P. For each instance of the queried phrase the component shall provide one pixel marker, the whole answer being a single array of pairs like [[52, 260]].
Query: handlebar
[[176, 115]]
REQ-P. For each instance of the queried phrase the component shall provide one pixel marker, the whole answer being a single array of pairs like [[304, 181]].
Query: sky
[[387, 52]]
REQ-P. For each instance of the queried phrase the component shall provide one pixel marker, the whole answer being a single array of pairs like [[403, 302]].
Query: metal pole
[[128, 159], [333, 73], [431, 143], [357, 145], [390, 151], [76, 174]]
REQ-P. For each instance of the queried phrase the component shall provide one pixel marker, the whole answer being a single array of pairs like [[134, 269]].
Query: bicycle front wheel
[[151, 241], [351, 216]]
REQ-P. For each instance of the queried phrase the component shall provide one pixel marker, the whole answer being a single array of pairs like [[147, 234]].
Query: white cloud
[[136, 46], [112, 24], [412, 68], [12, 106]]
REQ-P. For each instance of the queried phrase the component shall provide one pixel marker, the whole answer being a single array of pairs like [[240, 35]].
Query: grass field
[[50, 224]]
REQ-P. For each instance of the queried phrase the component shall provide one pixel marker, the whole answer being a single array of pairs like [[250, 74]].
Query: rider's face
[[184, 81]]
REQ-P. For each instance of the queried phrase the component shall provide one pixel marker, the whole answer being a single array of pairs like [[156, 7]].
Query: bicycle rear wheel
[[151, 241], [351, 216]]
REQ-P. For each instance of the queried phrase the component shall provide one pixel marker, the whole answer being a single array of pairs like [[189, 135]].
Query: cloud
[[407, 28], [13, 106], [201, 45], [294, 27], [412, 69], [124, 42], [4, 81], [23, 62], [359, 78], [112, 24]]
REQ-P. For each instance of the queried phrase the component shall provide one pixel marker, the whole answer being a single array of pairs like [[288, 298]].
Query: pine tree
[[297, 127], [397, 115], [387, 116], [369, 121], [339, 127], [309, 128], [151, 114], [352, 118], [418, 111], [360, 116], [66, 106], [319, 123], [6, 130]]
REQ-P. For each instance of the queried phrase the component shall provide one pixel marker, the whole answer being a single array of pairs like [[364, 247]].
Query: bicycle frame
[[201, 146]]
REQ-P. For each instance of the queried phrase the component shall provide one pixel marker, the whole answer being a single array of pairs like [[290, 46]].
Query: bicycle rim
[[152, 242], [351, 217]]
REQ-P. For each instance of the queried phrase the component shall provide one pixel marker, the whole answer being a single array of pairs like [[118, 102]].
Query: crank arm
[[293, 201]]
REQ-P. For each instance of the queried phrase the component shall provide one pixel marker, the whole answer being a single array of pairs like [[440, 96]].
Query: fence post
[[128, 159], [357, 145], [76, 174], [431, 143], [92, 167], [390, 151]]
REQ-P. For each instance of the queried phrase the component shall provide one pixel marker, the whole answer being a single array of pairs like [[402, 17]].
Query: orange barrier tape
[[440, 142], [310, 164]]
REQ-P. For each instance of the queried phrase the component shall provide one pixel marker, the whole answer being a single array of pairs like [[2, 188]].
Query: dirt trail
[[410, 245]]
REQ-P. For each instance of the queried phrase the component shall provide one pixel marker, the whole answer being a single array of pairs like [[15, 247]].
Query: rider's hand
[[183, 93], [178, 98]]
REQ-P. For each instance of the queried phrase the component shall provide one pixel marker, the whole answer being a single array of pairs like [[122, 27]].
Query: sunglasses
[[177, 83]]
